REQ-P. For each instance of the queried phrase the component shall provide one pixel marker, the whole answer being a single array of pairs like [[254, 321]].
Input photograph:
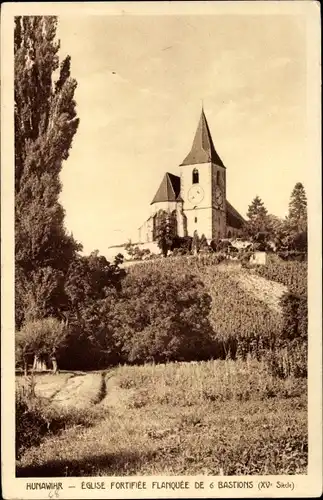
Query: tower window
[[218, 178], [195, 220], [195, 179]]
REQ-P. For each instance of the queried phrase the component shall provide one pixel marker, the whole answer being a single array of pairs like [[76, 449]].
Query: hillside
[[217, 417]]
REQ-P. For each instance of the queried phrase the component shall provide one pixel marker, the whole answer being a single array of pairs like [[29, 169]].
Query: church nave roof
[[169, 189]]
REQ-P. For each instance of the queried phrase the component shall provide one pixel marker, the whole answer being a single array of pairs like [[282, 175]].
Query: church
[[196, 199]]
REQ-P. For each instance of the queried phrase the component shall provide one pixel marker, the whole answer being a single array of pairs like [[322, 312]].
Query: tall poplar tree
[[45, 124]]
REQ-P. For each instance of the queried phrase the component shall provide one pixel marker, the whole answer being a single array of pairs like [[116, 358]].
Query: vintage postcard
[[161, 250]]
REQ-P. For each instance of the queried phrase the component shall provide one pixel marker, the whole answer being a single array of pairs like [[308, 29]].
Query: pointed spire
[[203, 150]]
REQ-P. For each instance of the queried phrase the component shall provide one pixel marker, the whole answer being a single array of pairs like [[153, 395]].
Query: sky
[[141, 83]]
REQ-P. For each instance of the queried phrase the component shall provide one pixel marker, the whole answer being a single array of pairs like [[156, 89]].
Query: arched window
[[218, 178], [229, 234], [195, 179]]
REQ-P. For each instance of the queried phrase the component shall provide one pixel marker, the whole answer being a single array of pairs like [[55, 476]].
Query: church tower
[[203, 186]]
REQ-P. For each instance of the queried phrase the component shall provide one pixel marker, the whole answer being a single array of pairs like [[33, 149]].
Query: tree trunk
[[55, 366], [25, 367], [39, 365], [35, 363]]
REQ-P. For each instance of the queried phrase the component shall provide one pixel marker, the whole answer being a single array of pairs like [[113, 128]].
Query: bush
[[42, 338], [182, 243], [36, 419], [179, 251], [244, 257], [289, 361], [31, 425], [292, 255], [223, 246], [290, 304]]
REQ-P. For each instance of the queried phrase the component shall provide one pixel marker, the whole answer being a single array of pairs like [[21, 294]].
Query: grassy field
[[216, 417]]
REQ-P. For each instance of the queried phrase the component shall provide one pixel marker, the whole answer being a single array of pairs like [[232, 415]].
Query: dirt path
[[81, 391]]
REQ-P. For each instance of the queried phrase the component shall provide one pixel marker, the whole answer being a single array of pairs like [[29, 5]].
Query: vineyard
[[242, 321], [292, 274]]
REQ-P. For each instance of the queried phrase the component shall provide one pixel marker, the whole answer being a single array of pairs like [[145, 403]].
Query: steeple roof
[[169, 189], [203, 150]]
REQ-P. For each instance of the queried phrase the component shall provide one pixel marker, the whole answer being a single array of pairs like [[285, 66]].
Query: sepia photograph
[[162, 234]]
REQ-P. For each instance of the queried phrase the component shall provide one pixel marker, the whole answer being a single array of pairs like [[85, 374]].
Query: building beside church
[[196, 199]]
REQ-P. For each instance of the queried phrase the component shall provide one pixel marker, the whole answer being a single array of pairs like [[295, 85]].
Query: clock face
[[195, 195], [218, 197]]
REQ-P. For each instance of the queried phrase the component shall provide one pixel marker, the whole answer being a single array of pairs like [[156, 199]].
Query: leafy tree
[[165, 231], [92, 285], [45, 124], [161, 316], [43, 339], [297, 215]]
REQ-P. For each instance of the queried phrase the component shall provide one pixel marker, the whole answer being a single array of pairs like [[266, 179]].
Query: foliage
[[161, 316], [137, 253], [251, 327], [91, 283], [294, 243], [203, 244], [36, 419], [290, 355], [30, 425], [38, 293], [297, 215], [224, 246], [294, 317], [292, 274], [179, 251], [45, 124], [214, 244], [182, 245], [42, 338], [195, 243], [204, 382], [288, 361], [165, 231], [257, 215], [256, 209]]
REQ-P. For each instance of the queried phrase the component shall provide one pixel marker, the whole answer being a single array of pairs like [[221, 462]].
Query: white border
[[304, 486]]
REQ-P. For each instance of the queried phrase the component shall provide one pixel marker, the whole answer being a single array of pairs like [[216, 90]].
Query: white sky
[[140, 122]]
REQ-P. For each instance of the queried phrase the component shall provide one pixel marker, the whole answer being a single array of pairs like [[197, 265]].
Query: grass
[[213, 417]]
